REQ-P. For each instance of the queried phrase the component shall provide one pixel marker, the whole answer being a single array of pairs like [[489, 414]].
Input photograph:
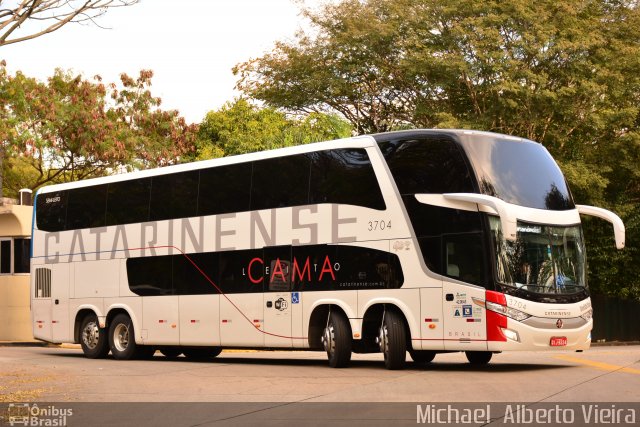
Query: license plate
[[558, 341]]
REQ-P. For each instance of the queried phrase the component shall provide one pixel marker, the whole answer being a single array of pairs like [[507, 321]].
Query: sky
[[191, 46]]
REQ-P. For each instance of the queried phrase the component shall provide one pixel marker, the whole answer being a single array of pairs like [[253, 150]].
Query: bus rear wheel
[[393, 340], [478, 358], [93, 339], [337, 340], [122, 338]]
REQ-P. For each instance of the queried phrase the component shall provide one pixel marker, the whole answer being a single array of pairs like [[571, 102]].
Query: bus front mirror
[[618, 225], [508, 219]]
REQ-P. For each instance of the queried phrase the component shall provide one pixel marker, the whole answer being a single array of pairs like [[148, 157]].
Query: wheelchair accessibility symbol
[[295, 297]]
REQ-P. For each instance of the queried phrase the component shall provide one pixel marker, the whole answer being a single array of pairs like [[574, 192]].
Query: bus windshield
[[544, 259]]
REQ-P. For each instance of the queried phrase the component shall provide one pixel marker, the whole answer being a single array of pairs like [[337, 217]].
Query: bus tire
[[393, 340], [478, 358], [202, 353], [122, 338], [171, 352], [94, 340], [337, 340], [145, 352], [422, 356]]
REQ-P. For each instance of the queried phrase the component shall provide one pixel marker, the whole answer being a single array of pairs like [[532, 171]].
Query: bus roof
[[361, 141]]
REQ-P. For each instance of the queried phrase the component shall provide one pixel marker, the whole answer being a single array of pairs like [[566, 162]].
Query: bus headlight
[[507, 311], [511, 335]]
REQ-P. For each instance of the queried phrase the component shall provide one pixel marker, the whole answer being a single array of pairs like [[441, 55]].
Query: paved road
[[271, 389], [51, 374]]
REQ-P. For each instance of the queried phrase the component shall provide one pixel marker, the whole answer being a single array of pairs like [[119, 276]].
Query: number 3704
[[379, 225]]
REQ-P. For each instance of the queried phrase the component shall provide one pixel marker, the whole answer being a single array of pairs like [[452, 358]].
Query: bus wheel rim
[[121, 337], [383, 340], [329, 340], [91, 335]]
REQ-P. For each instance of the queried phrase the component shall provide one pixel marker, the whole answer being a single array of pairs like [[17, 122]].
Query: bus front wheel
[[337, 340], [93, 339], [478, 357], [122, 338]]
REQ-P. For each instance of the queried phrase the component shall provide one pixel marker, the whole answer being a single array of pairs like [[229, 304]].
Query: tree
[[70, 128], [353, 66], [28, 19], [241, 127], [538, 69], [560, 72], [156, 137]]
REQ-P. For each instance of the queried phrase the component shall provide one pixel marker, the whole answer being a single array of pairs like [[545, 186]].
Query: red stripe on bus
[[496, 321]]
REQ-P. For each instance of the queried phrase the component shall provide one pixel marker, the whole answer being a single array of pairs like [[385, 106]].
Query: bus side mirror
[[618, 225], [508, 219]]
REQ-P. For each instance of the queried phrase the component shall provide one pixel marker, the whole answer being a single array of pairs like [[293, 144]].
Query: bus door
[[465, 325], [242, 276], [60, 331], [277, 297], [41, 303]]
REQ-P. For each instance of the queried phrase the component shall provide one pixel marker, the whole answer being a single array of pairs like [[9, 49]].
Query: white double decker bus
[[426, 241]]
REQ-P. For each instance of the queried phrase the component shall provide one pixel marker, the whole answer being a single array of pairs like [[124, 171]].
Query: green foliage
[[69, 128], [240, 127], [561, 72]]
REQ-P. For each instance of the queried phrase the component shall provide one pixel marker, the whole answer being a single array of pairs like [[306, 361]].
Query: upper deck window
[[518, 172], [340, 176], [429, 164], [344, 176]]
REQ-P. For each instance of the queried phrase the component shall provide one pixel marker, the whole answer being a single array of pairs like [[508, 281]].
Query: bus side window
[[174, 196], [86, 207], [195, 274], [51, 211], [344, 176], [224, 189], [430, 165], [128, 201], [450, 240], [463, 257], [278, 259], [241, 271], [280, 182], [150, 276]]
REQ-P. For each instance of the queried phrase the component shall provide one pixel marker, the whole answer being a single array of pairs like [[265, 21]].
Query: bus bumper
[[520, 336]]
